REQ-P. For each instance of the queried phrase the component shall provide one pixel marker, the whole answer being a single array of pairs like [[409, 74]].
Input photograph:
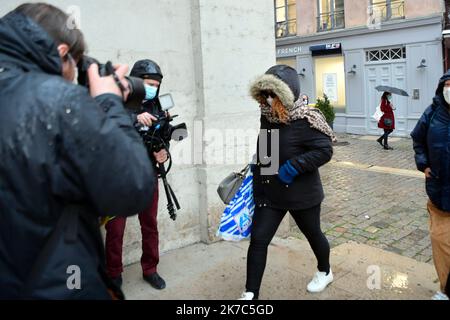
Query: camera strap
[[119, 84], [110, 71]]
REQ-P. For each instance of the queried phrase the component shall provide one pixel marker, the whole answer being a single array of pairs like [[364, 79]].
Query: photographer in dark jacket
[[63, 163], [152, 75], [304, 143]]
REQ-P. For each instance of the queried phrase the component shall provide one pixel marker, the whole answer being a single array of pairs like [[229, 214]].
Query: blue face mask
[[150, 92]]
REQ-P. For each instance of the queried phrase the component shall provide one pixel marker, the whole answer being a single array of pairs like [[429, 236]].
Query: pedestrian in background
[[305, 100], [387, 121]]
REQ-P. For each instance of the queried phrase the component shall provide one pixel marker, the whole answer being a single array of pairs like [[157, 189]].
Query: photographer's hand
[[103, 85], [146, 119], [162, 156]]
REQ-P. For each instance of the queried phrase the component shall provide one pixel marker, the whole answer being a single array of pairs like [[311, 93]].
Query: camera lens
[[136, 95]]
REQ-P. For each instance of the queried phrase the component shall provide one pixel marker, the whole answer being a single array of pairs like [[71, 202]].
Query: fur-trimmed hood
[[281, 80]]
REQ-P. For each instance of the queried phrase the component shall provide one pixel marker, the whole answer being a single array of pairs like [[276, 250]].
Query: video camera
[[158, 138], [136, 85], [162, 132]]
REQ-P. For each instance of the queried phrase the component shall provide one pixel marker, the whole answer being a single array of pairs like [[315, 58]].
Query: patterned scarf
[[314, 116]]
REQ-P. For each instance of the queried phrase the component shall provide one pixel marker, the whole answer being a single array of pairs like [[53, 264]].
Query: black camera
[[162, 131], [135, 85], [158, 137]]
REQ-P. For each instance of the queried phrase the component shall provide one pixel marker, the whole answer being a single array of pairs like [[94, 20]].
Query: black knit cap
[[147, 69], [289, 76]]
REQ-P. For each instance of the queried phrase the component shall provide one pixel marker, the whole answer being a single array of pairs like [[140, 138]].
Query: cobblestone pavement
[[365, 149], [383, 210]]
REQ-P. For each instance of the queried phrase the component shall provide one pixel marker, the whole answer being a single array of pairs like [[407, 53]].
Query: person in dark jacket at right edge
[[305, 144], [65, 161], [432, 147]]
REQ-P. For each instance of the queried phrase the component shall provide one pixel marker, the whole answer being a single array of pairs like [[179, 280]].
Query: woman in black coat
[[294, 142]]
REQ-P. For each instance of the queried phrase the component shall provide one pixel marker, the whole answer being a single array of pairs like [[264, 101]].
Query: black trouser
[[265, 224], [385, 136]]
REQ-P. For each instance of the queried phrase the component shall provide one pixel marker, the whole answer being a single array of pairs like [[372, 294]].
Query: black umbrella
[[392, 90]]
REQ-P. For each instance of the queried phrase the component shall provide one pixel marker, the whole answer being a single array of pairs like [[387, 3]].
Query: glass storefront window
[[330, 80]]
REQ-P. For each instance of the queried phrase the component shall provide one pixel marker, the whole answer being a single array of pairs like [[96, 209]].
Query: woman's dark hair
[[56, 23], [385, 96]]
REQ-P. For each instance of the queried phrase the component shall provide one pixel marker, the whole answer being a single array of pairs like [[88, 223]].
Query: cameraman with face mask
[[66, 156], [151, 73]]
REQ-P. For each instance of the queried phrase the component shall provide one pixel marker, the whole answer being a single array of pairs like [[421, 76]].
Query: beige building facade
[[346, 48]]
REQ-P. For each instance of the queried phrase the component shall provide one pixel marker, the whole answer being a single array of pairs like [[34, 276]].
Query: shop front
[[348, 65]]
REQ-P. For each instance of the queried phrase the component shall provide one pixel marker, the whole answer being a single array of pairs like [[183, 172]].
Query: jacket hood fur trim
[[270, 82]]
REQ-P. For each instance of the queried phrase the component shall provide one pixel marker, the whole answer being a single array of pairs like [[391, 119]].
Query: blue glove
[[288, 173]]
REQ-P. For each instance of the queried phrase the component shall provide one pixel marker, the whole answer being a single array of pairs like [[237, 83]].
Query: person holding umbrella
[[387, 121]]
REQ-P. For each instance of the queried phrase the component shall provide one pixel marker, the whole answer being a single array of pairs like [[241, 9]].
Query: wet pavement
[[376, 197], [217, 272], [374, 216]]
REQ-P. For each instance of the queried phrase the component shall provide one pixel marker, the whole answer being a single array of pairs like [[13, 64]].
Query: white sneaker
[[247, 296], [440, 296], [320, 282]]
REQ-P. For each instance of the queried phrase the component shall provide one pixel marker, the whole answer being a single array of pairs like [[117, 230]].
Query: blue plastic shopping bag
[[237, 218]]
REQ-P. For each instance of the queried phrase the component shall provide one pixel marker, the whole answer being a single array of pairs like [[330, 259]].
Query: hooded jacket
[[306, 148], [65, 162], [431, 139], [148, 69]]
